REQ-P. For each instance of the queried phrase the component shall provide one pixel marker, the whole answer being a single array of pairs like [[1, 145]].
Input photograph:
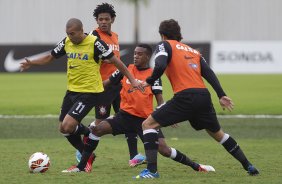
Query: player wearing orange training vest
[[185, 68]]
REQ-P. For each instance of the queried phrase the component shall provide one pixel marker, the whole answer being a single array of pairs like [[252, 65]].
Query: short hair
[[171, 29], [148, 48], [74, 22], [104, 8]]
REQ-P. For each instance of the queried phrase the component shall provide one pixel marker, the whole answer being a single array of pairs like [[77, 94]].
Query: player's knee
[[150, 123], [101, 129], [66, 129], [97, 131]]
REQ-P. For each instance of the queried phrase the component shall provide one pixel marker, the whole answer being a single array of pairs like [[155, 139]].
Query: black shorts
[[78, 105], [196, 107], [111, 96], [123, 123]]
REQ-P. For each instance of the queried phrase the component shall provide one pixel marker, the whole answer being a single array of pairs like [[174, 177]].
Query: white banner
[[246, 57]]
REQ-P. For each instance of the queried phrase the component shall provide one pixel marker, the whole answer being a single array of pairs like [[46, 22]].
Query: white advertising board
[[246, 57]]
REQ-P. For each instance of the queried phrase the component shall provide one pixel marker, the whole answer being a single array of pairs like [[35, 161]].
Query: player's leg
[[134, 128], [168, 114], [102, 111], [70, 126], [90, 145], [132, 139], [234, 149], [72, 130], [108, 126], [92, 142], [84, 102], [150, 140], [177, 156]]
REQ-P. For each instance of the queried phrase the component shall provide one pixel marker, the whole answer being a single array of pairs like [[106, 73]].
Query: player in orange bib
[[135, 107], [185, 68], [105, 15]]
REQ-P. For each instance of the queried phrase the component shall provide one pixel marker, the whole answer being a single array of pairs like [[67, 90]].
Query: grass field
[[32, 93], [40, 94], [260, 139]]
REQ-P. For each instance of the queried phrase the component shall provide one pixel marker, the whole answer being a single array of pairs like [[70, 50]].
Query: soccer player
[[105, 15], [84, 79], [185, 67], [134, 108]]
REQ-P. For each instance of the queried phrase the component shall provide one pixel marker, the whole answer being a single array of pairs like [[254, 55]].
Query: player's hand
[[145, 84], [226, 103], [25, 65], [137, 85]]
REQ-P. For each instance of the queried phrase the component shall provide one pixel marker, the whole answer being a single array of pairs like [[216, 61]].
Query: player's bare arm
[[106, 83], [40, 61]]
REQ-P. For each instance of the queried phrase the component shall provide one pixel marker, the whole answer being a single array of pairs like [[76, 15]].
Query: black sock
[[234, 149], [89, 147], [75, 138], [183, 159], [131, 139], [82, 130], [151, 149], [75, 141]]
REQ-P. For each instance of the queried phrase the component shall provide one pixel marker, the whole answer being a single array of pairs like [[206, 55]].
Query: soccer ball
[[38, 162]]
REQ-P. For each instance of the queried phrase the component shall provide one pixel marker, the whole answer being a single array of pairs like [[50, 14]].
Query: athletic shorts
[[123, 123], [110, 97], [78, 105], [196, 107]]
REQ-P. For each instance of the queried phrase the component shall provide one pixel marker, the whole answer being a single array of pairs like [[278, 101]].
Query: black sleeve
[[95, 33], [101, 50], [157, 87], [116, 77], [59, 50], [210, 76], [162, 57]]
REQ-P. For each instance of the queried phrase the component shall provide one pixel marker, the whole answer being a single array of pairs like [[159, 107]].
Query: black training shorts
[[78, 105], [111, 96], [123, 123], [192, 105]]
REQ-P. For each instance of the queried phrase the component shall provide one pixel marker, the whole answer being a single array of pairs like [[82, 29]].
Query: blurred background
[[235, 36]]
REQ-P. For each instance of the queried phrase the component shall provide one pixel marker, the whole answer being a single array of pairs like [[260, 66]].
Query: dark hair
[[171, 29], [104, 8], [148, 48]]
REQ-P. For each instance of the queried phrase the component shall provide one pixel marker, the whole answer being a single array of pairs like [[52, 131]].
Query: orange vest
[[112, 41], [184, 69], [135, 102]]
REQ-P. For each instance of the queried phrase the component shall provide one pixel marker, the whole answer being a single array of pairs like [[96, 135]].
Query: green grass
[[260, 140], [42, 93]]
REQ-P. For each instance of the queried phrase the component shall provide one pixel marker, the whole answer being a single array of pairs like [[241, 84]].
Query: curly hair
[[104, 8], [171, 29]]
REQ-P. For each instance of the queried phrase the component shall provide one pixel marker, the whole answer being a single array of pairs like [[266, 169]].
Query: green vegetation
[[260, 139], [42, 93]]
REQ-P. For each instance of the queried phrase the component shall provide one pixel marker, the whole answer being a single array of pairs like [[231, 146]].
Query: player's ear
[[113, 19]]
